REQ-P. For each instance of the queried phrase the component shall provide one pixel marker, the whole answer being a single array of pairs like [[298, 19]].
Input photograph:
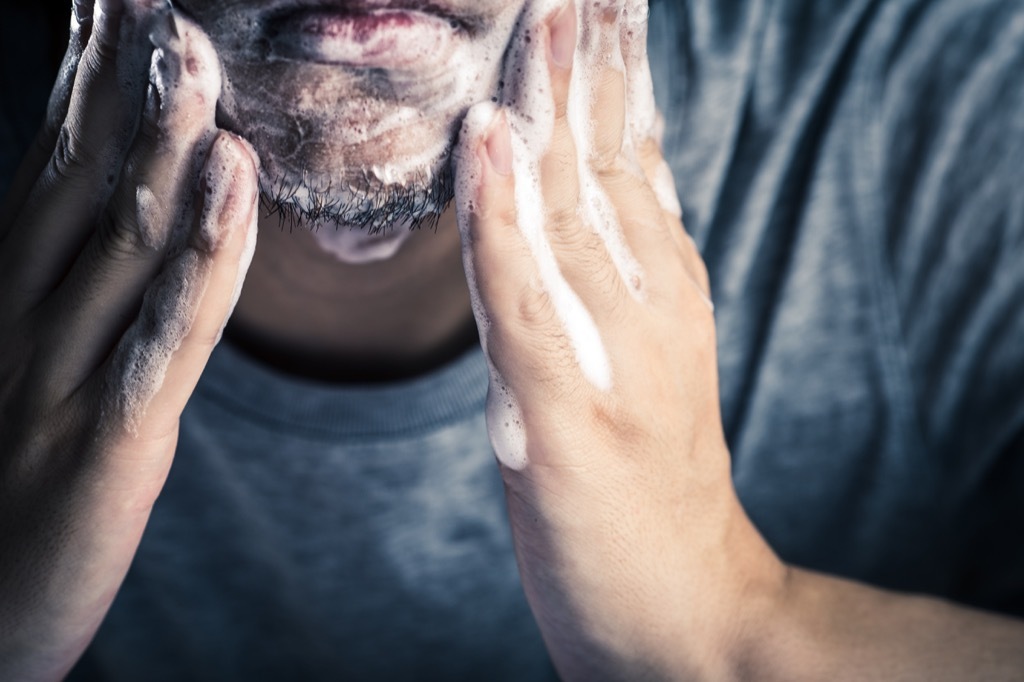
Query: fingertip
[[229, 184], [563, 33], [497, 145], [488, 206]]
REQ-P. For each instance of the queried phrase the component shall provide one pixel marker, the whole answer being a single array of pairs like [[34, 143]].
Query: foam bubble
[[146, 208]]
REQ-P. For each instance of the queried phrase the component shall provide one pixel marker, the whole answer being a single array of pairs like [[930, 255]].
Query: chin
[[357, 247], [349, 102]]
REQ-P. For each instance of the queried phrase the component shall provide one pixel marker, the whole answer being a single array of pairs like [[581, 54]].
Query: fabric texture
[[851, 171], [308, 532]]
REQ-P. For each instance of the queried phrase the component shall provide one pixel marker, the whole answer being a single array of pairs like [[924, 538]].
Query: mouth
[[370, 35]]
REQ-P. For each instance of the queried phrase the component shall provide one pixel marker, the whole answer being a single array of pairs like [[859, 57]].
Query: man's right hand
[[123, 243]]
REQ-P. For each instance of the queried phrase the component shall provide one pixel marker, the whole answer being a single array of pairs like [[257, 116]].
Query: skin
[[635, 554], [322, 125]]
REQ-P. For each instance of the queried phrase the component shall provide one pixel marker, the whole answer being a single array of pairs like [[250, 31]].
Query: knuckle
[[101, 50], [118, 237], [615, 175], [505, 215], [609, 281], [535, 309], [496, 209], [69, 154], [203, 337], [561, 154], [564, 227]]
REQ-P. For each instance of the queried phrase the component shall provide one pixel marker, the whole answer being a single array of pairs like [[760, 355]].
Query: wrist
[[737, 600]]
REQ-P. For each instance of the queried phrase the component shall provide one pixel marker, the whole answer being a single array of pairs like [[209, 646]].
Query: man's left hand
[[629, 535]]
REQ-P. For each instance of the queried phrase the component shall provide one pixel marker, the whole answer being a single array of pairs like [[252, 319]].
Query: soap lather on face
[[353, 105], [529, 110]]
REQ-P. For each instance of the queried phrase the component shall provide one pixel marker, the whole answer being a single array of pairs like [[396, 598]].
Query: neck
[[307, 313]]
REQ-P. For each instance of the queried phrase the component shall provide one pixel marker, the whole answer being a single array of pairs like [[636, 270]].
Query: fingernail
[[152, 108], [499, 145], [563, 36], [83, 11], [228, 203]]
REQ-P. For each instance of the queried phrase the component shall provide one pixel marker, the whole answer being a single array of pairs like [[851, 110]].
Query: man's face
[[352, 105]]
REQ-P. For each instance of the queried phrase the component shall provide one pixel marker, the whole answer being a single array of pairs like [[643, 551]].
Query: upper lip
[[286, 10]]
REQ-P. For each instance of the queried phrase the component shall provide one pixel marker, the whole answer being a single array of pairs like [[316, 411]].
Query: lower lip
[[382, 39]]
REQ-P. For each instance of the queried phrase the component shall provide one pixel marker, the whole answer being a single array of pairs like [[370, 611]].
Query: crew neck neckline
[[275, 400]]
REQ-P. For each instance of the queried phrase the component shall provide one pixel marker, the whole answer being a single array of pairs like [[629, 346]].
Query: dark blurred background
[[33, 37]]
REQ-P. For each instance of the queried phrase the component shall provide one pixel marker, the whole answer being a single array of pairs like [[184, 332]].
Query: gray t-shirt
[[852, 171], [311, 532]]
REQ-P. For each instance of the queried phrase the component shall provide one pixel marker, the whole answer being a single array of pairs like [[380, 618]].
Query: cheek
[[333, 122]]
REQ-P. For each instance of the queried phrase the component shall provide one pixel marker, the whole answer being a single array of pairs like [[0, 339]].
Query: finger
[[660, 178], [600, 51], [641, 111], [622, 206], [56, 111], [81, 174], [518, 298], [582, 223], [531, 336], [588, 237], [160, 358], [646, 130], [153, 203], [582, 254], [559, 174]]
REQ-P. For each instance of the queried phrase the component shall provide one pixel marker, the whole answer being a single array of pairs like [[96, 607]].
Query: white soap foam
[[529, 107], [355, 246], [141, 359], [504, 416], [603, 49], [147, 208]]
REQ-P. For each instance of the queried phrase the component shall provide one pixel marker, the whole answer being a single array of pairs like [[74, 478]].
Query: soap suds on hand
[[529, 107], [185, 73]]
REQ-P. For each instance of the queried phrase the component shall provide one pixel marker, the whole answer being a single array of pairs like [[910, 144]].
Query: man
[[845, 200]]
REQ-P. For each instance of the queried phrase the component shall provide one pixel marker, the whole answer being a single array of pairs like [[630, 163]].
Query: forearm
[[819, 627]]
